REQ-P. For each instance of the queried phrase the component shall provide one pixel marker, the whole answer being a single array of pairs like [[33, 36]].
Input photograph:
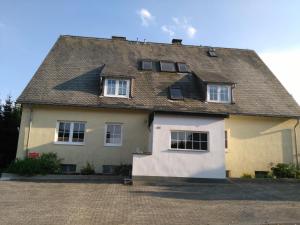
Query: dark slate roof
[[70, 75]]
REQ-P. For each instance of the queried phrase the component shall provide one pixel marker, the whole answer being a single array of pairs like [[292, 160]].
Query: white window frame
[[192, 150], [70, 142], [116, 88], [218, 93], [121, 136]]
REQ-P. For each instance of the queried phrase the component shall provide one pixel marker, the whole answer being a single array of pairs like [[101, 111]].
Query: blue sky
[[29, 28]]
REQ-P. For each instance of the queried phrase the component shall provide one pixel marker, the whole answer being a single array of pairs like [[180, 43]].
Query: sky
[[28, 29]]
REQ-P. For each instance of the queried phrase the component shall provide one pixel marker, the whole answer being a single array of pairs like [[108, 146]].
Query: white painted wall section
[[194, 164]]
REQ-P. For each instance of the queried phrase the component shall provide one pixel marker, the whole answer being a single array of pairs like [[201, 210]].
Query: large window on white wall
[[189, 140], [116, 88], [113, 134], [218, 93], [68, 132]]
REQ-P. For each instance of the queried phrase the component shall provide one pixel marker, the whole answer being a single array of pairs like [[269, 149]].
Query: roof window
[[182, 67], [212, 52], [147, 65], [167, 66]]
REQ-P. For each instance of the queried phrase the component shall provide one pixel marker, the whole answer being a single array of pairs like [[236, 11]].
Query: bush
[[282, 170], [247, 176], [47, 163], [123, 170], [88, 169]]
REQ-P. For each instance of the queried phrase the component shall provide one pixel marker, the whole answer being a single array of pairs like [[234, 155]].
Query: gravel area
[[91, 203]]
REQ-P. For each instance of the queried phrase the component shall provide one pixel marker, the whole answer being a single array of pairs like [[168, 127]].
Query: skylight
[[212, 52], [175, 93], [147, 65], [167, 66], [182, 67]]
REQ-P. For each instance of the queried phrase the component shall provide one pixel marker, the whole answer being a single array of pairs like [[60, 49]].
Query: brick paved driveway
[[35, 203]]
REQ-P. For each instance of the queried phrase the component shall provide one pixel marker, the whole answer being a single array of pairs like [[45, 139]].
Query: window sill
[[209, 101], [112, 145], [116, 96], [69, 143], [187, 150]]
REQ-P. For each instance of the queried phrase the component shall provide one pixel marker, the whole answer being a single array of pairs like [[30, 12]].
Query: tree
[[10, 117]]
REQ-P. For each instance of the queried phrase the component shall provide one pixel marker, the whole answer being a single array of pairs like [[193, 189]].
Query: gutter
[[29, 129], [295, 139]]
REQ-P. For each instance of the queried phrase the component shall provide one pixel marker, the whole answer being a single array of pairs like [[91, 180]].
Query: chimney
[[118, 38], [176, 41]]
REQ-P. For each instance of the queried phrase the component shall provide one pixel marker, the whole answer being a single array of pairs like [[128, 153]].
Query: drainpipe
[[296, 148], [29, 128]]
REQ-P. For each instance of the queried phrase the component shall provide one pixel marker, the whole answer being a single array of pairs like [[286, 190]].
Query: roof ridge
[[157, 43]]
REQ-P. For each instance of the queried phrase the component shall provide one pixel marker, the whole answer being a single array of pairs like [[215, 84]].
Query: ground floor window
[[113, 134], [70, 132], [189, 140]]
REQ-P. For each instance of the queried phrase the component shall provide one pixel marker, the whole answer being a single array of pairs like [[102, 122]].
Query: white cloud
[[286, 67], [180, 26], [146, 17], [168, 30]]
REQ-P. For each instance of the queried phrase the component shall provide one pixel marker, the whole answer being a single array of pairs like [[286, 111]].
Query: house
[[170, 110]]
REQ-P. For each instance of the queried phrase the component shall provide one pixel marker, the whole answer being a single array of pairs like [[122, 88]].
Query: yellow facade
[[258, 143], [254, 143], [43, 128]]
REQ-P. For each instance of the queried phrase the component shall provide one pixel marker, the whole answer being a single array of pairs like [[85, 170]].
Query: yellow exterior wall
[[258, 143], [42, 134]]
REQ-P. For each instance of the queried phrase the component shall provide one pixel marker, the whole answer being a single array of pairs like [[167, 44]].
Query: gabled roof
[[70, 75]]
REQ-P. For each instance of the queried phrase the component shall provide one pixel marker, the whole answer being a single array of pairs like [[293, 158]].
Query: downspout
[[296, 148], [29, 128]]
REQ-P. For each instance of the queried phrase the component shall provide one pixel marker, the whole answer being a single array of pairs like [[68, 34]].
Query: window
[[116, 88], [182, 67], [68, 168], [167, 66], [146, 65], [218, 93], [189, 140], [175, 93], [113, 134], [70, 132]]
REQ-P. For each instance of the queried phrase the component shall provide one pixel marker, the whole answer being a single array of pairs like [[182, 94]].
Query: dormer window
[[182, 67], [218, 93], [167, 66], [146, 65], [116, 88]]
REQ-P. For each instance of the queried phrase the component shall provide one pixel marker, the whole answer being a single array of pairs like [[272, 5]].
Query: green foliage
[[88, 169], [246, 176], [123, 170], [47, 163], [10, 116], [283, 170]]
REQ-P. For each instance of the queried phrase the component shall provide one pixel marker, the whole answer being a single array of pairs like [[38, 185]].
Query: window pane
[[203, 145], [122, 87], [78, 132], [213, 93], [224, 94], [111, 87], [181, 144], [63, 131], [196, 145], [189, 136], [189, 145], [203, 137], [174, 144], [174, 135], [181, 135], [196, 136]]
